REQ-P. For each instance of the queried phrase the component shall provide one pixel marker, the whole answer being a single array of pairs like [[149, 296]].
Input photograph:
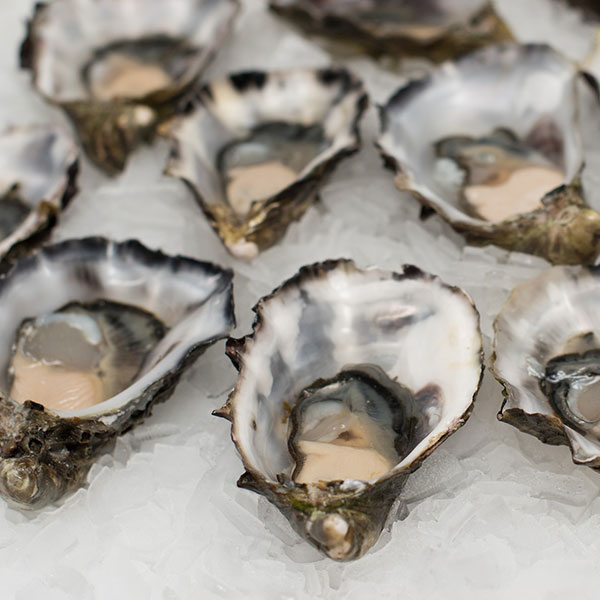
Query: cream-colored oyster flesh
[[338, 398], [494, 144], [81, 355]]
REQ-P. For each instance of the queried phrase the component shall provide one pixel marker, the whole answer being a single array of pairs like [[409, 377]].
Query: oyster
[[547, 357], [117, 67], [434, 28], [38, 169], [255, 147], [350, 379], [94, 333], [494, 144]]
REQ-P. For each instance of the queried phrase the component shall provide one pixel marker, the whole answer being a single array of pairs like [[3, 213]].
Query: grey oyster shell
[[44, 453], [300, 122], [117, 68], [405, 338], [528, 93], [399, 28], [546, 356], [38, 172]]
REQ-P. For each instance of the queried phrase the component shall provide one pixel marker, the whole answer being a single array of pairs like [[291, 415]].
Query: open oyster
[[117, 66], [438, 29], [493, 143], [350, 379], [255, 147], [93, 334], [38, 169], [547, 357]]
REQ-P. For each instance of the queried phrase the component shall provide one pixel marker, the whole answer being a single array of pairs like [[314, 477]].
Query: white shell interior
[[505, 86], [70, 31], [535, 324], [190, 299], [297, 96], [419, 331]]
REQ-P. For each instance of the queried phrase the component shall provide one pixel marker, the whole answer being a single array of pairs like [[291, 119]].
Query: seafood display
[[494, 144], [255, 147], [38, 172], [93, 334], [117, 68], [546, 355], [436, 29], [351, 377], [338, 401]]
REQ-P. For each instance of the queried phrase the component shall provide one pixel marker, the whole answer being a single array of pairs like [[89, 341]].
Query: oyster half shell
[[547, 357], [255, 147], [495, 144], [349, 380], [436, 29], [38, 172], [94, 333], [117, 66]]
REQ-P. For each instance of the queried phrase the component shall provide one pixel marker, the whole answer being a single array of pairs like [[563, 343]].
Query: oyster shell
[[94, 333], [38, 169], [547, 357], [255, 147], [349, 380], [433, 28], [493, 143], [117, 67]]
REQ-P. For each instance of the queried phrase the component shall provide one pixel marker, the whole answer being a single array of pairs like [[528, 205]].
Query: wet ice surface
[[492, 514]]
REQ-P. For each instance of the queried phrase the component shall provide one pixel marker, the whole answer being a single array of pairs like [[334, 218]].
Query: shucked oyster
[[255, 147], [547, 357], [38, 169], [349, 380], [438, 29], [493, 143], [117, 66], [93, 334]]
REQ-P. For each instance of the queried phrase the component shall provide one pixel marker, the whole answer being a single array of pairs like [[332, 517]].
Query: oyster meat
[[255, 147], [94, 333], [547, 357], [350, 379], [437, 29], [118, 67], [494, 144], [38, 172]]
